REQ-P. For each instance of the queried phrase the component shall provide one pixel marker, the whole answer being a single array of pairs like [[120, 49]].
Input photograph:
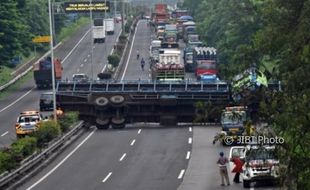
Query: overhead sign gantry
[[78, 7]]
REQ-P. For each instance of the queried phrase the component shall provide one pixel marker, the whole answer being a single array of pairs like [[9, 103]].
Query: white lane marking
[[121, 159], [61, 162], [88, 55], [107, 177], [111, 51], [134, 37], [251, 188], [190, 129], [76, 45], [181, 174], [139, 131], [94, 47], [11, 104], [78, 70], [104, 67], [82, 65], [188, 155], [5, 133], [190, 140], [132, 142], [34, 87], [150, 75], [85, 60]]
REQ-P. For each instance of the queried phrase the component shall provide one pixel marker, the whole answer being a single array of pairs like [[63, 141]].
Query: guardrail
[[3, 87], [27, 169]]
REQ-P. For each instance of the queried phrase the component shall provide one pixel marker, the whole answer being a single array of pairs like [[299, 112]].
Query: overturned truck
[[104, 103]]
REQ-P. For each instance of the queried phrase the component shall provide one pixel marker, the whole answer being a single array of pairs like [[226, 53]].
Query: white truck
[[99, 30], [109, 26], [169, 66], [154, 50]]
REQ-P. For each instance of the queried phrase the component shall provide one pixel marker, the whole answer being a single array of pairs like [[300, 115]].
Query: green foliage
[[114, 60], [13, 32], [23, 147], [5, 73], [205, 112], [7, 163], [47, 132], [67, 120]]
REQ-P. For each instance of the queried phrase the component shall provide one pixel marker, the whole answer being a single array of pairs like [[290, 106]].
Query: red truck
[[160, 14], [42, 72], [205, 59]]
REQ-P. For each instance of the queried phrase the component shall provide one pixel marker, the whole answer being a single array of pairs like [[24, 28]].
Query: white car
[[80, 77], [260, 163]]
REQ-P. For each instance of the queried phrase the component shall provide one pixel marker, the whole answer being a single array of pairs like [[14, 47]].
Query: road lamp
[[52, 59], [91, 39]]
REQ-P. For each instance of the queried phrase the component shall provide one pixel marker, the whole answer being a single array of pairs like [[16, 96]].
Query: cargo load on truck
[[169, 67], [42, 72], [160, 14], [205, 60], [109, 26], [170, 35]]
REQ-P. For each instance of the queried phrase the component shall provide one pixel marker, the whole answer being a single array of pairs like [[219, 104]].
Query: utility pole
[[114, 8], [122, 13], [91, 39], [52, 59]]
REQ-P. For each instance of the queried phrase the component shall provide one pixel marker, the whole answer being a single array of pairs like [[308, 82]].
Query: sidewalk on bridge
[[202, 172]]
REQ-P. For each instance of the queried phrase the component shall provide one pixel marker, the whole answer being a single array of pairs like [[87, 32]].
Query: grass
[[5, 74], [66, 32], [14, 87]]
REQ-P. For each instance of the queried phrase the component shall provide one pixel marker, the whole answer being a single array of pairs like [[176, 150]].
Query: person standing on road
[[222, 162], [138, 55], [142, 64], [238, 168]]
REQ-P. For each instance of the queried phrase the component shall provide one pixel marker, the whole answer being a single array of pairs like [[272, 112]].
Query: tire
[[101, 103], [117, 100], [118, 123], [102, 123], [246, 183]]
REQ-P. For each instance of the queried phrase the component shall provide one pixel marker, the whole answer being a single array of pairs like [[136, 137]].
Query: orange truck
[[42, 72]]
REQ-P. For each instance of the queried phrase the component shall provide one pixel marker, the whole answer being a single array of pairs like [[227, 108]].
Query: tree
[[12, 32], [113, 60]]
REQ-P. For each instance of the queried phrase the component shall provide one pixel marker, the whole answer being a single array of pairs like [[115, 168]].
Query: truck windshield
[[233, 117]]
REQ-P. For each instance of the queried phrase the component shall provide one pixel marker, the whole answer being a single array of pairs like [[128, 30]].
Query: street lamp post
[[91, 39], [52, 59]]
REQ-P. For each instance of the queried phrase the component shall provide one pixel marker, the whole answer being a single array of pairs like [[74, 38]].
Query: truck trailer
[[109, 26]]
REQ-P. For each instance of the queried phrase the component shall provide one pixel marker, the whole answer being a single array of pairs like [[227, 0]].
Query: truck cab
[[232, 119]]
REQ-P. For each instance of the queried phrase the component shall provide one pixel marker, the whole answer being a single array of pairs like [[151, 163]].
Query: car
[[28, 122], [260, 163], [46, 101], [80, 77]]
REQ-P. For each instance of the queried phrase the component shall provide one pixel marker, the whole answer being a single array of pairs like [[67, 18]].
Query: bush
[[104, 76], [7, 163], [67, 120], [114, 60], [122, 38], [47, 132], [22, 148]]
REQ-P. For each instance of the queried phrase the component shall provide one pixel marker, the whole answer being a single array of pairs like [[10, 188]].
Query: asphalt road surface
[[76, 56]]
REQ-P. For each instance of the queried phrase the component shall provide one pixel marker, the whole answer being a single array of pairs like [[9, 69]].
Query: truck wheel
[[246, 183], [117, 100], [101, 103], [102, 123], [118, 123]]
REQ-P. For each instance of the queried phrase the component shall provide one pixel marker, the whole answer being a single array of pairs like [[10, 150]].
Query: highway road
[[141, 156], [76, 56]]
